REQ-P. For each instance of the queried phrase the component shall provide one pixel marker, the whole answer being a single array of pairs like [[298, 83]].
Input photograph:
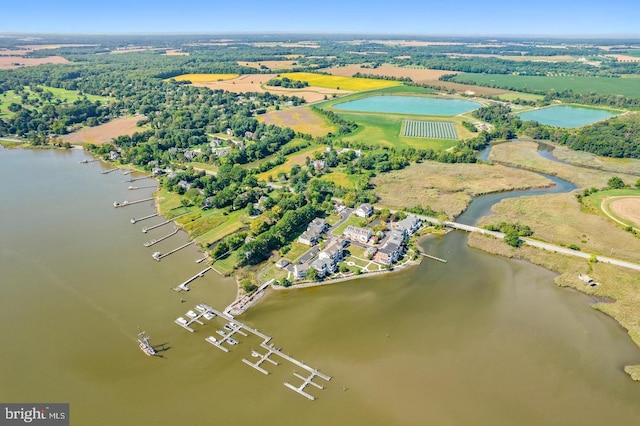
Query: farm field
[[620, 206], [429, 129], [449, 187], [12, 62], [417, 75], [633, 52], [519, 58], [625, 58], [599, 85], [272, 65], [524, 154], [301, 119], [341, 179], [339, 82], [104, 132], [204, 78], [256, 83], [512, 96]]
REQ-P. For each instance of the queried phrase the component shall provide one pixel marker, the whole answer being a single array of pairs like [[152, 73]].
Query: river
[[480, 340]]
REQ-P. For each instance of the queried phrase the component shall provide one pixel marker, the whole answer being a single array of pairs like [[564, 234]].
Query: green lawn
[[600, 85], [298, 158], [633, 52], [296, 251], [233, 223], [61, 96], [341, 179], [352, 220]]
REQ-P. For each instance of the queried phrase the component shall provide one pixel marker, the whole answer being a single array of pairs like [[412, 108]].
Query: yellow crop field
[[203, 78], [343, 83]]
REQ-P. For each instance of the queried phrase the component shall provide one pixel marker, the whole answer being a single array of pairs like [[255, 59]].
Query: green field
[[298, 158], [599, 202], [342, 179], [60, 96], [600, 85], [520, 95], [633, 52]]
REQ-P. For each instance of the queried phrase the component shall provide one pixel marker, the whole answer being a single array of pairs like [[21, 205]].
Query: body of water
[[565, 116], [480, 340], [409, 105]]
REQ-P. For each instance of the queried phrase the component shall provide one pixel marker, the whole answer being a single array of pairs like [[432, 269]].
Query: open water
[[394, 104], [480, 340]]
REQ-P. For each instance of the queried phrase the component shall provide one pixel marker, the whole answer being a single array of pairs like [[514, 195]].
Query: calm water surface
[[409, 105], [480, 340], [565, 116]]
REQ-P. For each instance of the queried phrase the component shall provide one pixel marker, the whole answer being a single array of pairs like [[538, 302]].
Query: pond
[[409, 105], [566, 116]]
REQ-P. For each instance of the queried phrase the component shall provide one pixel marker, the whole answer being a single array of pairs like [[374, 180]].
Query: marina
[[125, 203], [152, 242], [158, 256], [204, 311], [234, 327]]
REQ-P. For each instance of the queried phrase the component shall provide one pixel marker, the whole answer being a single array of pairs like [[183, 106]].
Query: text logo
[[34, 414]]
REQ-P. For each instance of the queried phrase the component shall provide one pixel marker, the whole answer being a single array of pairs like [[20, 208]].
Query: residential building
[[332, 252], [314, 231], [392, 248], [357, 234], [364, 210], [300, 271], [408, 225]]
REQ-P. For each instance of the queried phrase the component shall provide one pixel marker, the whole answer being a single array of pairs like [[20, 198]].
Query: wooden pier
[[434, 258], [204, 311], [136, 179], [236, 327], [86, 161], [158, 257], [110, 170], [126, 203], [145, 230], [134, 220], [184, 285], [153, 242], [133, 188]]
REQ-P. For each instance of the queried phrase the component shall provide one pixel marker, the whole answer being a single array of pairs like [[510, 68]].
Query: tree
[[312, 274], [615, 183], [638, 184], [512, 238]]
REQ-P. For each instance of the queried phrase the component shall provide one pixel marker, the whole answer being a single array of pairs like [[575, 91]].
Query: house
[[314, 231], [184, 184], [392, 248], [408, 225], [357, 234], [282, 263], [333, 252], [364, 210], [190, 155], [300, 271], [114, 155], [324, 267]]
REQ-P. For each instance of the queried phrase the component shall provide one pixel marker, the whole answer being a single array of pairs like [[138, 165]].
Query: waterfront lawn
[[169, 203], [234, 222], [227, 265], [296, 251], [298, 158]]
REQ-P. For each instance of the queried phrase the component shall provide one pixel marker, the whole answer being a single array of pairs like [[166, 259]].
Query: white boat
[[220, 332], [145, 346], [233, 342], [156, 255], [211, 340], [209, 315], [226, 327], [192, 314], [182, 321]]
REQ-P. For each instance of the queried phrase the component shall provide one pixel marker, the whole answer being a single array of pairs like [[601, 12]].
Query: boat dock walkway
[[152, 242], [138, 178], [133, 188], [158, 256], [125, 203], [87, 161], [204, 311], [184, 285], [234, 327], [145, 230], [134, 220], [110, 170], [434, 258]]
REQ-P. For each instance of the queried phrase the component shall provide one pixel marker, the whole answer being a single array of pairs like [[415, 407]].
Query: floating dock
[[134, 220], [125, 203], [204, 311], [183, 286], [110, 170], [433, 257], [152, 242], [158, 256], [86, 161], [145, 230], [133, 188]]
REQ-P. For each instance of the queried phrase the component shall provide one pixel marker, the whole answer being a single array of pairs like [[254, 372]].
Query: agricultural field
[[339, 82], [256, 83], [624, 58], [301, 119], [512, 96], [12, 62], [429, 129], [599, 85], [417, 75], [449, 187], [633, 52], [621, 206], [341, 179], [103, 133], [204, 78], [519, 58], [272, 65]]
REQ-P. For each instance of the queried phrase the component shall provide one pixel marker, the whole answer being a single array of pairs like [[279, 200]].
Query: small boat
[[156, 255], [220, 332], [208, 315], [233, 342], [226, 327], [211, 340], [145, 346]]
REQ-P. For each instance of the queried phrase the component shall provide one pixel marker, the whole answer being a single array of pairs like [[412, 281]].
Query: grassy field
[[524, 154], [589, 160], [341, 179], [520, 95], [63, 95], [234, 222], [599, 85], [633, 52], [301, 119], [600, 202], [352, 220], [618, 285], [298, 158], [339, 82], [203, 78], [449, 187]]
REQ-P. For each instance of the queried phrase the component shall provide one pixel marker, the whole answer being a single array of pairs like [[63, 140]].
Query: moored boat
[[145, 346]]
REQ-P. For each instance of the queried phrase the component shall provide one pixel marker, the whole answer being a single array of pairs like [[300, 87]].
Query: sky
[[426, 17]]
